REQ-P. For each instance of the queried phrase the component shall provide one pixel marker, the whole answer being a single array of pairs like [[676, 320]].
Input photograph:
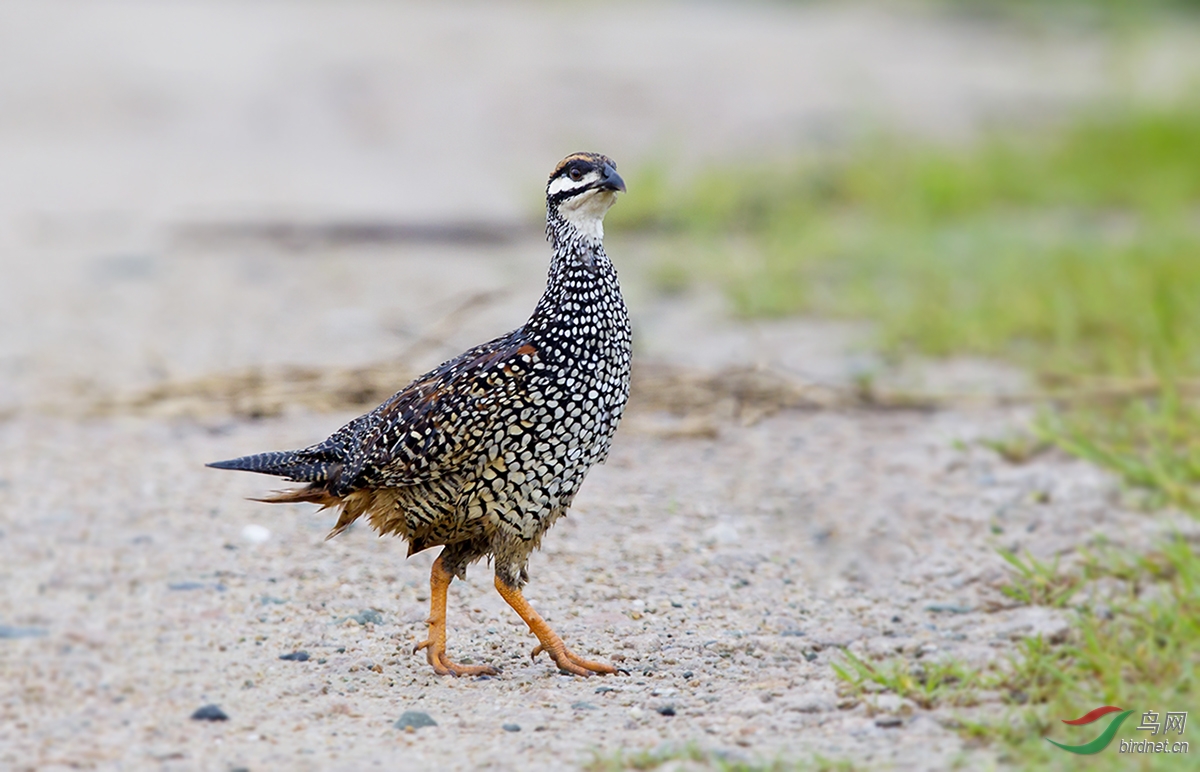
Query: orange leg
[[435, 645], [550, 642]]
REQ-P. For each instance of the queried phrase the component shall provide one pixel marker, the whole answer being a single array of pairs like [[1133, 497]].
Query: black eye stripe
[[582, 167]]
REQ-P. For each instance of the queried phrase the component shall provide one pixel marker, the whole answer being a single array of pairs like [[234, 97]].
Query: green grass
[[1017, 447], [1154, 444], [927, 684], [1137, 647], [697, 758], [1037, 583], [1146, 657], [1113, 11], [1119, 15], [1075, 252]]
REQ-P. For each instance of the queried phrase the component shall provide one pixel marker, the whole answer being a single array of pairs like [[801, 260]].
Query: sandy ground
[[724, 566], [724, 562]]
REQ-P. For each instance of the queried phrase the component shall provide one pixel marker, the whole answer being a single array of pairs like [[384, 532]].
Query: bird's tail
[[311, 494], [289, 464], [294, 466]]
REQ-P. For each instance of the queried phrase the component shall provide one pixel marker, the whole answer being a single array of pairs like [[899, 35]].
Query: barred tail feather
[[281, 464], [321, 476]]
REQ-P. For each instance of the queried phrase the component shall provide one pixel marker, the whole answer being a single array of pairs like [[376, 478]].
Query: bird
[[482, 454]]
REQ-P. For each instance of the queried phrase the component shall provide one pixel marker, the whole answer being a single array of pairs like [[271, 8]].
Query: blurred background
[[219, 211], [200, 188], [849, 159]]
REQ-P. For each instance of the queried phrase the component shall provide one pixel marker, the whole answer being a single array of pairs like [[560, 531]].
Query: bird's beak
[[611, 180]]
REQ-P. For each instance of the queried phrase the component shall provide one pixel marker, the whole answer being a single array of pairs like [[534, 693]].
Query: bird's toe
[[569, 662], [443, 665]]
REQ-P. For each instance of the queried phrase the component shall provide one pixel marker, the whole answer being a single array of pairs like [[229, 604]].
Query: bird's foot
[[442, 665], [435, 644], [569, 662], [549, 641]]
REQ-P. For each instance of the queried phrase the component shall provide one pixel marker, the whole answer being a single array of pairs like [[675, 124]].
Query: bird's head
[[579, 193]]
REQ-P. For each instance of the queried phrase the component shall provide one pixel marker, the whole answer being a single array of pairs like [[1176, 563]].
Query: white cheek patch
[[565, 183]]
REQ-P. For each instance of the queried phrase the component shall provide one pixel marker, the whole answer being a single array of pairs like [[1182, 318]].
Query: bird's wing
[[434, 426]]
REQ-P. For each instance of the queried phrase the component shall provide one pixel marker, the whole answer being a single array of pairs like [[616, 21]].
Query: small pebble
[[688, 674], [888, 722], [604, 689], [186, 586], [582, 706], [666, 710], [512, 727], [7, 631], [295, 656], [256, 534], [949, 608], [209, 713], [414, 719], [363, 617]]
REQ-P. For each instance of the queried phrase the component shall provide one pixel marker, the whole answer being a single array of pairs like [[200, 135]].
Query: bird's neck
[[575, 242], [577, 236], [582, 283]]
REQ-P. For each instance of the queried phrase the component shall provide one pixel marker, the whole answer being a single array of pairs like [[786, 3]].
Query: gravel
[[907, 522], [414, 719], [209, 713], [9, 631], [131, 585], [364, 617], [950, 608]]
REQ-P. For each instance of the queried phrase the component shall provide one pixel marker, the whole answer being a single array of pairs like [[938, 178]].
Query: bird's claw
[[569, 663], [442, 665]]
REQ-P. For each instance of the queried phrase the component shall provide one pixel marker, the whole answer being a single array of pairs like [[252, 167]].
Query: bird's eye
[[576, 174]]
